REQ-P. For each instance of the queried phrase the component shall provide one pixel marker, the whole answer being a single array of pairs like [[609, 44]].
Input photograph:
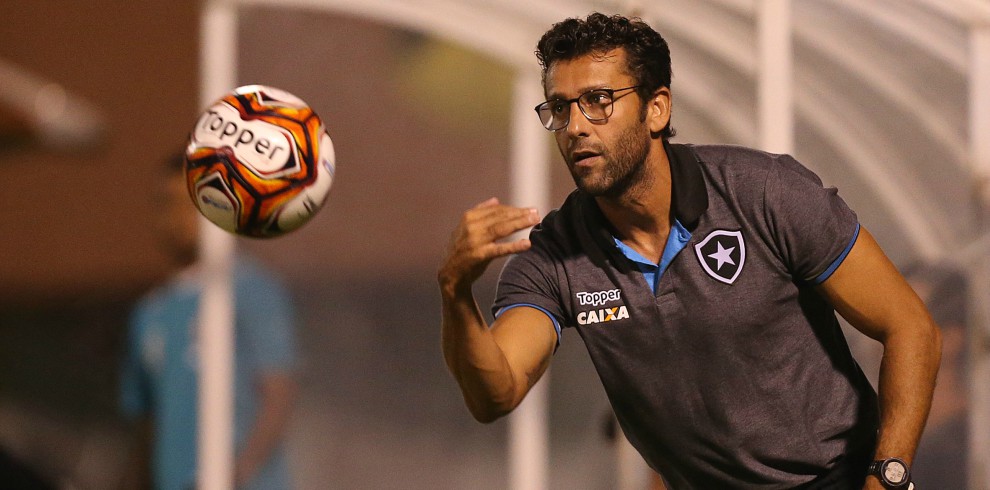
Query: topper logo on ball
[[263, 147], [259, 162]]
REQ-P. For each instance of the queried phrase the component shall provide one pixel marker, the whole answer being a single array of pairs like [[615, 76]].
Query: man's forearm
[[907, 380], [475, 359], [278, 393]]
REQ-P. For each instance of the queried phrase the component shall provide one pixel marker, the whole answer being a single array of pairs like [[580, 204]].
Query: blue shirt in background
[[159, 377]]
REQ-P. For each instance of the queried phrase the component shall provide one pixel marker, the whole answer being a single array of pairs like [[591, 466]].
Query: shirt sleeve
[[812, 227], [530, 279]]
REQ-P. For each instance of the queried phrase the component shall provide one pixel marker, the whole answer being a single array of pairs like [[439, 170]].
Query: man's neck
[[642, 215]]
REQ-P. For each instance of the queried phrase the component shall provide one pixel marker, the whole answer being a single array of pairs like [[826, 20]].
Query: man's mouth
[[579, 156]]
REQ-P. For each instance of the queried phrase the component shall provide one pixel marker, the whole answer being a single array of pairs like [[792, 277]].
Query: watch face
[[894, 472]]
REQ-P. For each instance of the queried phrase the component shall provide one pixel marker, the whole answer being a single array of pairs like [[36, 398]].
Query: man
[[159, 378], [702, 280]]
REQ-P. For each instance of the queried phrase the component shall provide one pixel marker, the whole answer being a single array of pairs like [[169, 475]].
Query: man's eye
[[599, 98], [558, 107]]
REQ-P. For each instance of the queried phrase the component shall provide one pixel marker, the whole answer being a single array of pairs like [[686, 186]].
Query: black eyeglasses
[[596, 105]]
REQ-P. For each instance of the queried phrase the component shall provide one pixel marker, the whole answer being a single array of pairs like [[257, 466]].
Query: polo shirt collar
[[689, 197]]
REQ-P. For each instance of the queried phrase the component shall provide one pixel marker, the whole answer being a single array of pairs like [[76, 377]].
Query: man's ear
[[659, 110]]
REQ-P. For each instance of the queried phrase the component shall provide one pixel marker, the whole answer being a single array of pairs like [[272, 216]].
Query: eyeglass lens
[[595, 105]]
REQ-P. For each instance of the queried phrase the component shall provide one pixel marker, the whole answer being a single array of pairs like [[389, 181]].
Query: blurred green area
[[454, 84]]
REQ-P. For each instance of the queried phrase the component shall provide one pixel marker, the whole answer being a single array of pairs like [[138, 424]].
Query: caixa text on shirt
[[602, 315]]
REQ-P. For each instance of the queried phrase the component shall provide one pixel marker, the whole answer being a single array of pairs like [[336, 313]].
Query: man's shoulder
[[249, 269], [741, 157], [746, 157], [731, 162], [170, 287], [560, 225]]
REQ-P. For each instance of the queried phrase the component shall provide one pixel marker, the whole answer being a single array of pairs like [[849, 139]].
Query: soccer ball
[[259, 162]]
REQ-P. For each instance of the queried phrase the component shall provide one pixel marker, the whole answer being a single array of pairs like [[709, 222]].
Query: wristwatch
[[893, 473]]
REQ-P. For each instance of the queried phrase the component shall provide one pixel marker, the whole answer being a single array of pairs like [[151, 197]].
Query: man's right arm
[[494, 367]]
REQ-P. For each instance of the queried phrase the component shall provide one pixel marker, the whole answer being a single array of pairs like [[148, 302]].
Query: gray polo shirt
[[733, 372]]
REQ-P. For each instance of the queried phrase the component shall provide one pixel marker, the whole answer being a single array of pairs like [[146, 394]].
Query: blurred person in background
[[943, 452], [159, 380]]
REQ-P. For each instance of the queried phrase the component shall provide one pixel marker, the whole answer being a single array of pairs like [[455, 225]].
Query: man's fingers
[[491, 201], [479, 239], [514, 247], [491, 209], [500, 249], [495, 223], [510, 224]]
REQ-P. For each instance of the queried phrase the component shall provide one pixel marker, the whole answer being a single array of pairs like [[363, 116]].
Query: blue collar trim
[[677, 239]]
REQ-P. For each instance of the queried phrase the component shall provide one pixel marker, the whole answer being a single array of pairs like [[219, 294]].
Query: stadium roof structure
[[888, 99], [880, 91]]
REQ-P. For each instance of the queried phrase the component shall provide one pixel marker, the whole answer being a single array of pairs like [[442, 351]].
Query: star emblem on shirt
[[722, 256]]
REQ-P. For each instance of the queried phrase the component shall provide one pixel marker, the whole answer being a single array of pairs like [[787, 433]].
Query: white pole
[[530, 187], [979, 336], [979, 109], [218, 68], [776, 80]]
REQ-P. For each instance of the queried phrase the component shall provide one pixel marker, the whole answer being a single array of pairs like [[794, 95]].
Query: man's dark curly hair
[[647, 53]]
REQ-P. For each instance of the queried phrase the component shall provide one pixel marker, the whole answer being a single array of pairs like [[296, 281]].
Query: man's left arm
[[869, 292], [266, 323], [277, 394]]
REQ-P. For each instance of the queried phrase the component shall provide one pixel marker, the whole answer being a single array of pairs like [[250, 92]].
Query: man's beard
[[624, 166]]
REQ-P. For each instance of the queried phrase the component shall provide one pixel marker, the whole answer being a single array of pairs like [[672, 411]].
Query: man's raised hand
[[478, 240]]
